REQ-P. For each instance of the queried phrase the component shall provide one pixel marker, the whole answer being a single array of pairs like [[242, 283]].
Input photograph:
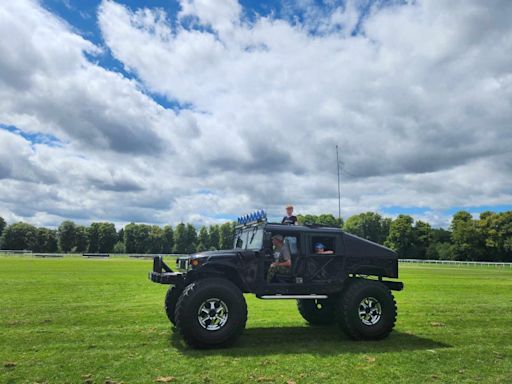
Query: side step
[[284, 297]]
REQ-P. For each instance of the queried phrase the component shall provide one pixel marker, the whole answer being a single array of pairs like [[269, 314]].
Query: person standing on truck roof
[[290, 218], [282, 258]]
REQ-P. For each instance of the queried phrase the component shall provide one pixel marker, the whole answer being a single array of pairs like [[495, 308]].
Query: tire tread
[[171, 300]]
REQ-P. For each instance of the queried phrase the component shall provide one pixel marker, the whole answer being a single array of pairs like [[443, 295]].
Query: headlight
[[195, 262]]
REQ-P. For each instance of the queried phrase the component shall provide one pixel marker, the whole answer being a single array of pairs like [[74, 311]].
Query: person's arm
[[286, 263]]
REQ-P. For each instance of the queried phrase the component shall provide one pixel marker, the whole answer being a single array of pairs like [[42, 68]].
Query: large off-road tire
[[171, 299], [366, 310], [318, 312], [211, 313]]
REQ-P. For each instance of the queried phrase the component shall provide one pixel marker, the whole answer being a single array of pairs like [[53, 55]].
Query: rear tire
[[367, 310], [171, 299], [211, 313], [317, 312]]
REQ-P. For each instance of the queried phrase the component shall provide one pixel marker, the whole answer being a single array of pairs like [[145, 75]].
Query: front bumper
[[162, 274]]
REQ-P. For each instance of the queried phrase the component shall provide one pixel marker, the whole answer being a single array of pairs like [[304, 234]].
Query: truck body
[[313, 278]]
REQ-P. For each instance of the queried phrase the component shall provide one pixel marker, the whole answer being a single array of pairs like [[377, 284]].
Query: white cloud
[[222, 16], [420, 101]]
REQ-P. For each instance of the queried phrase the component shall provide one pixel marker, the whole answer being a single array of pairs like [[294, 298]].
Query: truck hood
[[215, 254]]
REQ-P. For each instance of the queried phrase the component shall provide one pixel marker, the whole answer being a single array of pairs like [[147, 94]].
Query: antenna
[[339, 188]]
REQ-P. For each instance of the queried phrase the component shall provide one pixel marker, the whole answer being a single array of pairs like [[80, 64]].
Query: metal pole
[[339, 191]]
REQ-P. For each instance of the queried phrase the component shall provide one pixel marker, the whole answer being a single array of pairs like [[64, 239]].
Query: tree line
[[487, 238], [102, 237]]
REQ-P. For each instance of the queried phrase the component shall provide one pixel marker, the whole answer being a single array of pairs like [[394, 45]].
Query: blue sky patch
[[34, 138]]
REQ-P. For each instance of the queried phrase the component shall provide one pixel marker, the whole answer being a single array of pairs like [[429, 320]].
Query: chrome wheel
[[212, 314], [370, 311]]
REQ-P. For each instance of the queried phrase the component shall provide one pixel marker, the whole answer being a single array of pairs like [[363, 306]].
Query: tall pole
[[339, 190]]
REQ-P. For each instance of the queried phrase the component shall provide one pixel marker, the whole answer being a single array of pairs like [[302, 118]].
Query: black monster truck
[[343, 284]]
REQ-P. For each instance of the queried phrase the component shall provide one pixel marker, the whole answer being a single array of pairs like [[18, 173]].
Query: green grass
[[77, 320]]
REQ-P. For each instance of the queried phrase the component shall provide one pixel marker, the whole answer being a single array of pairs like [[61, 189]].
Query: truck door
[[324, 261]]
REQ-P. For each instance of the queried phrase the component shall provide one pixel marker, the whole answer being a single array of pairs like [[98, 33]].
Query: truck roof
[[302, 228]]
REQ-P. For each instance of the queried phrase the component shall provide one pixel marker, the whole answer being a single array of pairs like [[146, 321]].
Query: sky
[[162, 111]]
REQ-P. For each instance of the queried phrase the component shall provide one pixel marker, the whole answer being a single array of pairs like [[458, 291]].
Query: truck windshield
[[249, 238]]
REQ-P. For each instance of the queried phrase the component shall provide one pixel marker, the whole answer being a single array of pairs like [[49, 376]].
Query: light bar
[[258, 215]]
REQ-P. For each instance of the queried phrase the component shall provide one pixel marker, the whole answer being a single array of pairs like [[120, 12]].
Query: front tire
[[317, 312], [171, 299], [211, 313], [367, 310]]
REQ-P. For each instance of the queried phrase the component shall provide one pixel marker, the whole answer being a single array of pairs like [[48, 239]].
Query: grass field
[[77, 320]]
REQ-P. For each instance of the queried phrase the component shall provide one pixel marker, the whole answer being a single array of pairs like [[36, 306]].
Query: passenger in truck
[[320, 250]]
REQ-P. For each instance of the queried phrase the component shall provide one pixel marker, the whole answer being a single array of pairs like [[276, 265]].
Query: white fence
[[86, 254], [21, 252], [453, 262]]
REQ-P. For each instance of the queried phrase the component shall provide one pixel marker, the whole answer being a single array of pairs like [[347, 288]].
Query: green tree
[[137, 238], [330, 220], [130, 238], [203, 240], [307, 219], [422, 238], [144, 234], [327, 219], [156, 239], [467, 239], [496, 231], [120, 235], [214, 236], [19, 236], [227, 232], [81, 238], [119, 247], [67, 236], [368, 225], [180, 239], [46, 240], [93, 238], [440, 251], [107, 237], [441, 235], [2, 225], [168, 239], [191, 238], [505, 235], [386, 225], [401, 236]]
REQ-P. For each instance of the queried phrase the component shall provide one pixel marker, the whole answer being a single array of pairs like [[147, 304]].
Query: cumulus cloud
[[417, 94]]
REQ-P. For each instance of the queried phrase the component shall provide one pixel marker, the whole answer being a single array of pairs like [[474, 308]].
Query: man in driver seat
[[282, 258]]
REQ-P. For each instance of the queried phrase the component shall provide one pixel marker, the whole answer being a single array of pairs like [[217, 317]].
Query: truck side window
[[323, 245]]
